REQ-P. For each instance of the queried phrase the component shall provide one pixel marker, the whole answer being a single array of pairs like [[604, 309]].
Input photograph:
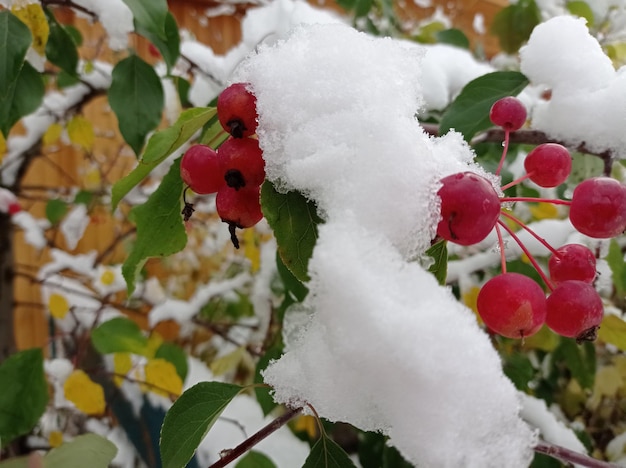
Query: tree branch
[[569, 456], [230, 455]]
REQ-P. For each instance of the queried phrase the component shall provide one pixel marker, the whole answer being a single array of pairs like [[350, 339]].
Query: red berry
[[470, 208], [14, 208], [574, 310], [201, 169], [598, 207], [236, 110], [548, 165], [508, 113], [242, 162], [154, 52], [512, 305], [239, 208], [573, 262]]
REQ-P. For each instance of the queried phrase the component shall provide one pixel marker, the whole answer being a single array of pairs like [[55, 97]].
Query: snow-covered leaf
[[439, 254]]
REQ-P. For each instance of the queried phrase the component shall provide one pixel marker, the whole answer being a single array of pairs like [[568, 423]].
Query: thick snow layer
[[588, 96], [338, 124]]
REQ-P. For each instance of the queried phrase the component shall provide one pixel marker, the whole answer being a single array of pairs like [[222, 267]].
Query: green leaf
[[454, 37], [327, 454], [393, 459], [75, 34], [439, 253], [83, 197], [213, 134], [514, 24], [174, 354], [55, 210], [190, 418], [170, 46], [119, 335], [615, 259], [160, 228], [25, 97], [518, 368], [580, 360], [98, 450], [582, 9], [263, 393], [469, 112], [136, 97], [65, 80], [613, 331], [24, 394], [294, 220], [255, 459], [15, 38], [149, 16], [61, 48], [160, 146]]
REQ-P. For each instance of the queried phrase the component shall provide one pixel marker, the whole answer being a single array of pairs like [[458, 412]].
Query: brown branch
[[569, 456], [69, 4], [228, 456]]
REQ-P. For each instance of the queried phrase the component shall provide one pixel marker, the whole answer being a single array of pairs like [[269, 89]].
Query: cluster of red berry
[[511, 304], [236, 170]]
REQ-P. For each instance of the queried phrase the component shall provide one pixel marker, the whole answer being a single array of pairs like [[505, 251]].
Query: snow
[[74, 224], [562, 56], [115, 16], [339, 125], [32, 228]]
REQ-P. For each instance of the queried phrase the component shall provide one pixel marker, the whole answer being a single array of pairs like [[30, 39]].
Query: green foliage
[[24, 97], [160, 228], [61, 47], [55, 210], [582, 9], [327, 454], [580, 360], [119, 335], [294, 220], [615, 259], [15, 38], [469, 113], [24, 394], [190, 418], [160, 146], [439, 253], [374, 452], [453, 36], [255, 459], [359, 8], [136, 97], [519, 369], [514, 23], [98, 450]]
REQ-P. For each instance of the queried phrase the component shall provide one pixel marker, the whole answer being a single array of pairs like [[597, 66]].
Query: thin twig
[[569, 456], [230, 455]]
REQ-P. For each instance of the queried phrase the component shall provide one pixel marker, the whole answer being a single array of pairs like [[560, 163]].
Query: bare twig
[[569, 456]]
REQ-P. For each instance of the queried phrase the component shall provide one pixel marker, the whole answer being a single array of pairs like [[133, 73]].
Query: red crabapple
[[574, 310], [14, 208], [508, 113], [236, 110], [512, 305], [572, 262], [239, 208], [598, 207], [470, 208], [242, 162], [548, 165], [201, 169]]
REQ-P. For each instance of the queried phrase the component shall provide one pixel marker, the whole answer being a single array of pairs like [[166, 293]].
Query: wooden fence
[[67, 166]]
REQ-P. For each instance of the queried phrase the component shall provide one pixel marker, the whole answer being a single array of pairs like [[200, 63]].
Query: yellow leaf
[[227, 362], [251, 249], [608, 381], [93, 181], [307, 424], [58, 305], [32, 15], [55, 439], [122, 364], [470, 298], [3, 147], [155, 341], [52, 135], [162, 378], [613, 331], [544, 211], [80, 131], [87, 395], [545, 340]]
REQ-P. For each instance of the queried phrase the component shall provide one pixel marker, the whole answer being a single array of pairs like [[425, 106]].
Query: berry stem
[[530, 231], [515, 182], [507, 138], [554, 201], [528, 254], [501, 245]]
